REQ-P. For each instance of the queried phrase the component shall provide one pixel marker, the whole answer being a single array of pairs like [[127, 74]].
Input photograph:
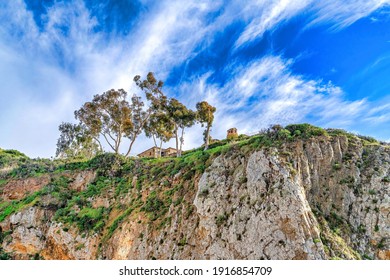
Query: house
[[154, 152], [169, 152], [232, 133]]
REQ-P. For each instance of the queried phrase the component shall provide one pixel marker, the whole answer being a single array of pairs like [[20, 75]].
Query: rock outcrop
[[319, 198]]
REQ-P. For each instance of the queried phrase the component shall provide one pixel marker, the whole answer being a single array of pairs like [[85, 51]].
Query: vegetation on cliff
[[151, 191]]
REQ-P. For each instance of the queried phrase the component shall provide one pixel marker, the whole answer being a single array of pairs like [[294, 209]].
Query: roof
[[156, 148]]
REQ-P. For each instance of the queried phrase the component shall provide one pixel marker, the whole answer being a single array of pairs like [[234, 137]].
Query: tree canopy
[[205, 115], [75, 141], [109, 115], [113, 116]]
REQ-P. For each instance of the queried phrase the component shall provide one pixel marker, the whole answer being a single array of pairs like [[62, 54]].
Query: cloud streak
[[49, 69], [266, 92]]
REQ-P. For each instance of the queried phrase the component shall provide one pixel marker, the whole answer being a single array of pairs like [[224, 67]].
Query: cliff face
[[318, 198]]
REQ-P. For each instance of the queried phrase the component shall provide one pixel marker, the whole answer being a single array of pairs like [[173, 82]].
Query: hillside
[[298, 192]]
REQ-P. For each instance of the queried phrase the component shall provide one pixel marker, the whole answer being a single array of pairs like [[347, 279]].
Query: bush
[[90, 218], [108, 164], [154, 206], [306, 130], [4, 255], [284, 134]]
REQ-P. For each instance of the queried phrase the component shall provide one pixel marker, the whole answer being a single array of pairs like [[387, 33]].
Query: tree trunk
[[177, 142], [181, 141], [159, 152], [206, 146], [131, 145], [100, 144], [108, 142], [154, 140]]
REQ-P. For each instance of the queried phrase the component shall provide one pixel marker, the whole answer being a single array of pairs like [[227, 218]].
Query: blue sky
[[259, 62]]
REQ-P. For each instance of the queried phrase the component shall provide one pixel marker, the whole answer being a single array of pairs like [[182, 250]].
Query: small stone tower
[[232, 133]]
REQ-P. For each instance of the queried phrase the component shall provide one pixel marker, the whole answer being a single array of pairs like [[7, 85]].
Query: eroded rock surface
[[319, 198]]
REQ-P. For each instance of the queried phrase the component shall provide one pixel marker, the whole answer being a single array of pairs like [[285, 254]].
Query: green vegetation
[[8, 208], [205, 115], [4, 255], [86, 219], [336, 166], [306, 130], [9, 158], [112, 117], [148, 189], [221, 219], [154, 206]]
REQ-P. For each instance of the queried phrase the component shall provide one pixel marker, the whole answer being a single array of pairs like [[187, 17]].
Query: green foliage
[[9, 158], [86, 219], [3, 182], [336, 222], [386, 179], [4, 255], [381, 244], [336, 166], [108, 164], [111, 115], [205, 115], [182, 242], [372, 192], [368, 140], [8, 208], [33, 168], [76, 141], [96, 187], [154, 206], [306, 130], [284, 134], [347, 180], [90, 218], [8, 155], [221, 219]]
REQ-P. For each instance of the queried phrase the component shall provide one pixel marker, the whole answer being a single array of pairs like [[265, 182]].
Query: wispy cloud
[[67, 59], [266, 92], [342, 13], [267, 15], [49, 69]]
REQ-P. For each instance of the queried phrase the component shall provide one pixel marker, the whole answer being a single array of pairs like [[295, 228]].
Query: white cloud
[[49, 71], [266, 92], [267, 15], [66, 57], [342, 13]]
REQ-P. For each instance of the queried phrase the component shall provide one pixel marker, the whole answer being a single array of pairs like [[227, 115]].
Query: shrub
[[154, 206], [306, 130], [386, 179], [90, 218], [221, 219], [336, 166], [284, 134], [4, 255]]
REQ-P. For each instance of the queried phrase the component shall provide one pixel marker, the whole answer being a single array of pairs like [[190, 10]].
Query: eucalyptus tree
[[76, 141], [182, 117], [108, 115], [205, 115], [161, 128], [142, 114]]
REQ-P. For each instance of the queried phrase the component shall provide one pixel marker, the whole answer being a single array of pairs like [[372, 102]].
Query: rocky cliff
[[277, 195]]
